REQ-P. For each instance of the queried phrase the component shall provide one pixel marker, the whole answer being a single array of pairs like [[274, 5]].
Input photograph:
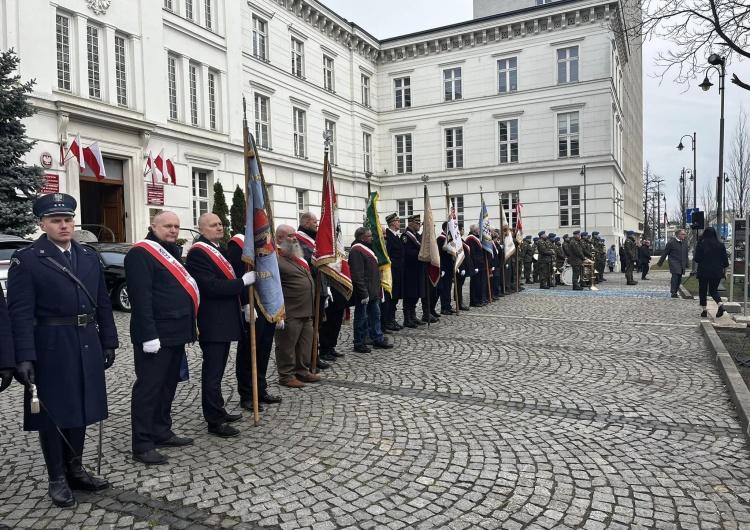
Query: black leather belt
[[78, 320]]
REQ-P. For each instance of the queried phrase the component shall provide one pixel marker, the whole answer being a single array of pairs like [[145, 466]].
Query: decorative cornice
[[330, 115], [566, 41], [400, 72], [328, 51], [451, 63], [570, 106], [454, 121], [267, 14], [507, 115], [299, 102], [366, 71], [297, 33], [202, 160], [367, 127], [262, 88], [405, 128], [508, 52]]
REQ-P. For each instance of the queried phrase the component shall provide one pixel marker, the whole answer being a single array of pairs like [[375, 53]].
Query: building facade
[[537, 104]]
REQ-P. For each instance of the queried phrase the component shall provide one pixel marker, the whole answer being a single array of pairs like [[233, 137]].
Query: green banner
[[378, 243]]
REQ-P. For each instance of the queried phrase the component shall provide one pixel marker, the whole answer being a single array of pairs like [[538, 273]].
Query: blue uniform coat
[[68, 360], [7, 352]]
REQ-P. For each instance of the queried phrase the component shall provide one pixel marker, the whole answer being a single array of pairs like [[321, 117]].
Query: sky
[[670, 111]]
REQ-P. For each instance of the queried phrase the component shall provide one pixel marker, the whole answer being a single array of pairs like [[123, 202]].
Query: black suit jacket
[[711, 263], [7, 352]]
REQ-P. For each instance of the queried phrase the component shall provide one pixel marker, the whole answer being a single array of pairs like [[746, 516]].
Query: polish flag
[[150, 168], [77, 149], [93, 157], [62, 153], [159, 164], [171, 171]]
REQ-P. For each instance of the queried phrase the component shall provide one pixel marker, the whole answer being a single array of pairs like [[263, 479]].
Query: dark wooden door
[[113, 209]]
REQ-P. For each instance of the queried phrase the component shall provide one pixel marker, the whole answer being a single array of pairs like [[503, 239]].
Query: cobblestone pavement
[[547, 409]]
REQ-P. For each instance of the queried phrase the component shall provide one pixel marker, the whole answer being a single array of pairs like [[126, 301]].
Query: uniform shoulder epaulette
[[24, 249]]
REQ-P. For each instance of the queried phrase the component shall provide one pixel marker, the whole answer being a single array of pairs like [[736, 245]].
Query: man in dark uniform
[[220, 321], [566, 246], [164, 300], [65, 337], [7, 351], [559, 261], [526, 258], [466, 270], [445, 285], [497, 267], [576, 259], [396, 254], [535, 251], [264, 333], [631, 257], [546, 253], [413, 286], [478, 287]]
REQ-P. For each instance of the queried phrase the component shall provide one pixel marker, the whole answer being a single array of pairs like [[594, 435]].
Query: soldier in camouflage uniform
[[535, 250], [601, 259], [527, 255], [566, 246], [559, 261], [546, 254], [630, 253], [576, 259], [552, 266]]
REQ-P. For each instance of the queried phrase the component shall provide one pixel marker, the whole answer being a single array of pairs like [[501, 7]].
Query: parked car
[[8, 245], [112, 257]]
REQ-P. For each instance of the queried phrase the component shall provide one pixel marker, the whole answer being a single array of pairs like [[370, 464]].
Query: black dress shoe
[[434, 314], [248, 405], [151, 458], [61, 494], [78, 479], [322, 365], [337, 354], [419, 322], [382, 344], [391, 326], [231, 418], [720, 312], [398, 326], [223, 431], [269, 398], [362, 348], [429, 318], [175, 441], [327, 357], [409, 324], [463, 307], [368, 341], [447, 312]]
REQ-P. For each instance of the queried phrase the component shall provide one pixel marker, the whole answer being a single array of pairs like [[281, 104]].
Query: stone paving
[[547, 409]]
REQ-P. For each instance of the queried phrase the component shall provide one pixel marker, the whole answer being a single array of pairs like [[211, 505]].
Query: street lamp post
[[658, 207], [718, 63], [682, 204], [583, 174], [693, 177]]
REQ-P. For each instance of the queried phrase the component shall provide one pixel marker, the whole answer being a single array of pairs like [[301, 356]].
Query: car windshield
[[7, 248], [113, 258]]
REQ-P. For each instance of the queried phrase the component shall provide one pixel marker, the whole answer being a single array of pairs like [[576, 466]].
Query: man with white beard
[[294, 335]]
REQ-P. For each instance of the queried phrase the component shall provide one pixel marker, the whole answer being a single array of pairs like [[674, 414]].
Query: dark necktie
[[68, 257]]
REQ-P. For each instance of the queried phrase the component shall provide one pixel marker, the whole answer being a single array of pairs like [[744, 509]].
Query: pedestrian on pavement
[[294, 336], [7, 351], [413, 278], [630, 251], [644, 258], [164, 304], [220, 320], [711, 257], [611, 258], [65, 337], [677, 252], [395, 251]]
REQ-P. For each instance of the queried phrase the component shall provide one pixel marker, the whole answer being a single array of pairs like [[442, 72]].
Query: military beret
[[536, 239], [391, 218], [557, 239], [630, 233], [576, 232], [527, 237], [566, 236], [55, 204], [595, 233], [417, 218], [552, 235], [601, 239], [540, 234], [584, 234]]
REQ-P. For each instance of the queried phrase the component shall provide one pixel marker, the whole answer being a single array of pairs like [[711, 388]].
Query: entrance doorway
[[103, 203]]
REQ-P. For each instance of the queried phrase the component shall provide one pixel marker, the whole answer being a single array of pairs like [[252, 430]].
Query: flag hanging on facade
[[171, 171], [372, 221], [259, 249], [519, 225], [150, 168], [93, 157], [453, 243], [484, 229], [159, 162], [76, 148], [428, 252], [330, 253]]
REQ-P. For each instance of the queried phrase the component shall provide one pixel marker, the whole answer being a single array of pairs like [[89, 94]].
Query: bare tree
[[696, 28], [738, 168], [707, 202], [648, 178]]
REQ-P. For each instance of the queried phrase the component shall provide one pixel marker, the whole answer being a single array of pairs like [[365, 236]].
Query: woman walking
[[611, 258], [711, 257]]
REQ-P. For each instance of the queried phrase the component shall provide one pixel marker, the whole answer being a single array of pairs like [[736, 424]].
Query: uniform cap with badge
[[54, 204], [393, 217]]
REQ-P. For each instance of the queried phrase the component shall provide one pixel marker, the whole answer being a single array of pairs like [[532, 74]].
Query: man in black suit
[[220, 320], [677, 252], [164, 300], [396, 254], [445, 287], [413, 286]]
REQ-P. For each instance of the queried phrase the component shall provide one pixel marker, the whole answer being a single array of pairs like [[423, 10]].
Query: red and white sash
[[219, 260], [366, 250], [173, 266], [299, 261], [413, 238], [474, 238], [239, 239], [306, 240]]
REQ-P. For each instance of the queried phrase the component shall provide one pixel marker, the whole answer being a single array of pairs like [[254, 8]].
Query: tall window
[[405, 209], [297, 57], [509, 199], [507, 72], [189, 9], [458, 204], [63, 52], [567, 134], [570, 206], [207, 10], [212, 100], [452, 83], [331, 126], [403, 153], [121, 72], [508, 141], [328, 73], [262, 125], [172, 76], [168, 4], [260, 38], [301, 203], [454, 148], [403, 92], [92, 51], [367, 151], [365, 90], [193, 94], [567, 64], [299, 132], [200, 194]]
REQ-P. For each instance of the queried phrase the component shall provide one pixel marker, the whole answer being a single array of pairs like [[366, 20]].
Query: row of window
[[195, 86], [193, 11]]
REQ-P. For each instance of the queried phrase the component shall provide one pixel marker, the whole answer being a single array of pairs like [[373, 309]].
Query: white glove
[[330, 294], [325, 304], [152, 346], [463, 273], [365, 301], [501, 247], [442, 273], [476, 270], [248, 278], [280, 324], [246, 312], [492, 269]]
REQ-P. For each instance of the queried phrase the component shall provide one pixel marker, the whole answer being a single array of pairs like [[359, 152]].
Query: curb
[[684, 293], [738, 391]]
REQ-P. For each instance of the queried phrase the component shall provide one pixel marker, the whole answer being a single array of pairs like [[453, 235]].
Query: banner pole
[[314, 357]]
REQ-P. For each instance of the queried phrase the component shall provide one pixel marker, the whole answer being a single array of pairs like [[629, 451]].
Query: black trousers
[[708, 285], [644, 270], [385, 306], [460, 285], [264, 331], [330, 329], [446, 290], [57, 455], [392, 307], [577, 274], [675, 282], [433, 300], [157, 375], [215, 355], [478, 287]]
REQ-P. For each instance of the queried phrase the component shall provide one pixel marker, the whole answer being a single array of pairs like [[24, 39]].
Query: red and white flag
[[171, 171], [159, 162], [150, 168], [93, 157], [77, 149], [519, 226]]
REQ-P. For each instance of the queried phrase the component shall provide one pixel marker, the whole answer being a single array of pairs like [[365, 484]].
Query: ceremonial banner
[[519, 225], [428, 252], [484, 229], [372, 221], [453, 243], [508, 246]]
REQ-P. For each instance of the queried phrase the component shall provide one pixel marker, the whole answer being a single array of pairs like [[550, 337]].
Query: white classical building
[[540, 104]]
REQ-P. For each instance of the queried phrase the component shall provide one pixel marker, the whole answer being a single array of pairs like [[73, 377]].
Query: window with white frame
[[509, 200], [454, 148], [193, 74], [402, 87], [200, 194], [405, 209], [168, 4], [172, 82], [92, 53], [452, 84], [299, 132], [567, 65], [208, 20], [262, 122], [121, 78], [403, 153], [301, 203], [367, 151], [298, 50], [62, 30], [331, 127], [212, 100], [328, 73], [507, 75], [189, 9], [458, 203], [260, 38], [570, 206], [507, 136], [365, 90], [567, 134]]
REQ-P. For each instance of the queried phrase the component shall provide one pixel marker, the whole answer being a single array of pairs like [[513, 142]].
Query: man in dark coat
[[576, 259], [630, 251], [445, 285], [413, 286], [220, 320], [264, 332], [527, 255], [164, 300], [65, 337], [396, 254], [7, 351], [644, 258], [478, 287], [677, 252]]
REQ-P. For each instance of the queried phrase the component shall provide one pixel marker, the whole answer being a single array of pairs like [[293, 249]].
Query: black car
[[112, 257]]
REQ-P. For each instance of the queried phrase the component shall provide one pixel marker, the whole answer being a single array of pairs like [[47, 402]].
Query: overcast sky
[[670, 109]]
